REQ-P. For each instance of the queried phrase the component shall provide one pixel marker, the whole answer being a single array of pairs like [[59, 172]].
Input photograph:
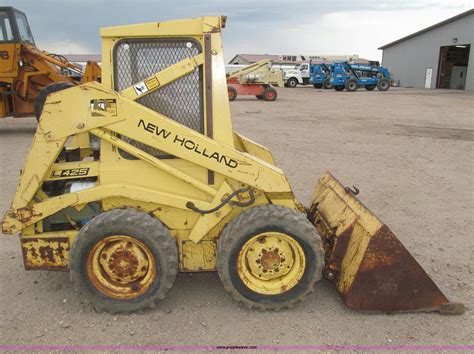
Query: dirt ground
[[409, 151]]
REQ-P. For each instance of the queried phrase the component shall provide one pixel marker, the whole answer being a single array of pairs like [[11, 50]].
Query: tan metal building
[[436, 57]]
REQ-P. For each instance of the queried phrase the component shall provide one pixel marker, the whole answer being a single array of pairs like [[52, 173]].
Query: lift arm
[[248, 69]]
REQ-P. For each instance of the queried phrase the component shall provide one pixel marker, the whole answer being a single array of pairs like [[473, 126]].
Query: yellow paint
[[206, 222], [121, 267], [246, 145], [343, 212], [204, 168], [271, 263], [166, 76], [200, 256]]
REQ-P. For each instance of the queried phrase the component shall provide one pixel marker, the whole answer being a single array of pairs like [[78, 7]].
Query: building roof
[[83, 57], [427, 29], [256, 57]]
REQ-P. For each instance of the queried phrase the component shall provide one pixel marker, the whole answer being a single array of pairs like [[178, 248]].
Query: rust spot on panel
[[8, 224], [45, 253], [24, 215]]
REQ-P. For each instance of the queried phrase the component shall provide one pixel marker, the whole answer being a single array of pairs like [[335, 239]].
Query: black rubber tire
[[370, 87], [260, 97], [232, 92], [292, 82], [41, 99], [133, 223], [339, 87], [270, 94], [351, 85], [327, 84], [383, 85], [318, 86], [257, 220]]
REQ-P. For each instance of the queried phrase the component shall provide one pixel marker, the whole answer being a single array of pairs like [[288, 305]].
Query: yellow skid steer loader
[[161, 183]]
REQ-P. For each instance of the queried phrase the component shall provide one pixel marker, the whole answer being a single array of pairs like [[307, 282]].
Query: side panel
[[8, 60]]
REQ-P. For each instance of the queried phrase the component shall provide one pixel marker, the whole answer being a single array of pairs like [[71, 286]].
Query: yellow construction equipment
[[255, 79], [164, 185], [27, 74]]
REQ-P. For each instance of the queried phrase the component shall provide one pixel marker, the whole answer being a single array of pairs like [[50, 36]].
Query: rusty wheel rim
[[271, 263], [121, 267]]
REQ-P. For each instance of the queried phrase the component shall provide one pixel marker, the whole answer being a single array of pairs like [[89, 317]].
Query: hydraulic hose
[[227, 200]]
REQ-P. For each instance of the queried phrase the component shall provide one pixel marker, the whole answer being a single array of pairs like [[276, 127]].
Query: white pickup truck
[[295, 77]]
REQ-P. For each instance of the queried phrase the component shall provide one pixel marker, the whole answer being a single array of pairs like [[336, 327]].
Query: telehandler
[[344, 75], [166, 185], [27, 74]]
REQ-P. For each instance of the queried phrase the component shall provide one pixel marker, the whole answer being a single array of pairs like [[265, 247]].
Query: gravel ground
[[409, 151]]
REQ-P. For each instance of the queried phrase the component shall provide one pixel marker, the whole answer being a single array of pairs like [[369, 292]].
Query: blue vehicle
[[351, 76], [320, 76]]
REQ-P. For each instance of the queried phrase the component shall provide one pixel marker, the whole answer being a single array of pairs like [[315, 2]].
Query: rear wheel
[[292, 82], [383, 85], [370, 87], [41, 99], [318, 86], [123, 261], [327, 84], [269, 257], [351, 85], [270, 94], [232, 93], [339, 87]]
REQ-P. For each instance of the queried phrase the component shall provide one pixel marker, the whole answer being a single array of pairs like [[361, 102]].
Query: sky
[[326, 27]]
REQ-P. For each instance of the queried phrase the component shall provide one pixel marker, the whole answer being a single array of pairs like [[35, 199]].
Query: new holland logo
[[187, 143]]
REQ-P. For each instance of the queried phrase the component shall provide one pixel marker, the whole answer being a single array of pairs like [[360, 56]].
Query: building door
[[453, 61], [428, 77]]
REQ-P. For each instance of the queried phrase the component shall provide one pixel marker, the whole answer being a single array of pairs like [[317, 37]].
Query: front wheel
[[124, 260], [327, 84], [269, 257], [383, 85], [317, 86], [292, 82], [351, 85], [270, 94], [232, 92]]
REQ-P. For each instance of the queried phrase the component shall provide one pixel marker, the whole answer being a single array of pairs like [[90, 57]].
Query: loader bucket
[[370, 267]]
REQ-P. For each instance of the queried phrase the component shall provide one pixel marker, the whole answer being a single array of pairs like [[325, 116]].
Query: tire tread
[[135, 220], [253, 219]]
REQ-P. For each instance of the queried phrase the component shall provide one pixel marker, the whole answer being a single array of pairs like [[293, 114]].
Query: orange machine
[[25, 70], [256, 79]]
